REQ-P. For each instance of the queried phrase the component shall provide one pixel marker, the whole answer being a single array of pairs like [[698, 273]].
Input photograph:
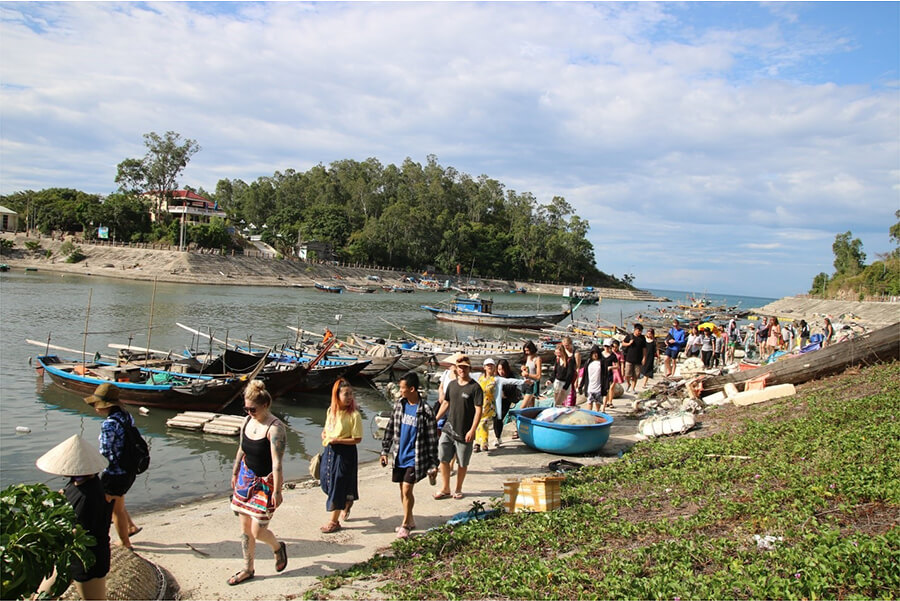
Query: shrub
[[33, 245], [66, 248], [6, 244], [39, 532], [76, 256]]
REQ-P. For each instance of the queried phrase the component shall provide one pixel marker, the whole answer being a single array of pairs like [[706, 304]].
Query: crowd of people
[[419, 440]]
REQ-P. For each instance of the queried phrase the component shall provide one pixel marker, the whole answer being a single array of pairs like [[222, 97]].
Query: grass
[[676, 517]]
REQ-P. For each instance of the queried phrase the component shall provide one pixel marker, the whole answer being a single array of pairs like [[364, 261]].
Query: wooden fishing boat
[[479, 311], [409, 357], [145, 386], [334, 289], [562, 439], [880, 345], [397, 288], [359, 289], [381, 359]]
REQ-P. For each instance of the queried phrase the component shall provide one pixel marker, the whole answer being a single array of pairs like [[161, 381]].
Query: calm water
[[186, 465]]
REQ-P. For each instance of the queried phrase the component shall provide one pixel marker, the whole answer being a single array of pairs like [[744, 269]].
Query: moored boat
[[329, 288], [144, 386], [479, 311]]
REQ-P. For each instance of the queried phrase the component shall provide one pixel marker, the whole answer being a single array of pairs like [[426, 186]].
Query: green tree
[[895, 234], [849, 258], [819, 284], [158, 172]]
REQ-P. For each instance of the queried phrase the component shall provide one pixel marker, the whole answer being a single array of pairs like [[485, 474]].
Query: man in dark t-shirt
[[635, 344], [462, 404]]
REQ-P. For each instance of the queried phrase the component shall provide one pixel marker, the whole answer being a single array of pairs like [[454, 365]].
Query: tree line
[[852, 275], [410, 216]]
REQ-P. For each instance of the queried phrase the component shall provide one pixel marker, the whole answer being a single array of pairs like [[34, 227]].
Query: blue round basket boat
[[561, 439]]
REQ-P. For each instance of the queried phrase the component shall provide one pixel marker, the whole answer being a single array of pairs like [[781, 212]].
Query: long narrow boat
[[359, 289], [144, 386], [880, 345], [329, 288], [479, 311]]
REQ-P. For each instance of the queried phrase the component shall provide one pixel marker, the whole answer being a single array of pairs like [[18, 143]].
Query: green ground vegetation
[[676, 518]]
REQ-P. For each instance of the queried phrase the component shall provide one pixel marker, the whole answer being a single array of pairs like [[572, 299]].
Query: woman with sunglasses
[[340, 462], [257, 479]]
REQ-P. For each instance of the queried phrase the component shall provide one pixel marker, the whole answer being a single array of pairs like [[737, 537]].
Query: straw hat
[[454, 357], [72, 457], [106, 395]]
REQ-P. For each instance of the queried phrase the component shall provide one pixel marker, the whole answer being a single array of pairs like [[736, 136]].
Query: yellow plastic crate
[[532, 494]]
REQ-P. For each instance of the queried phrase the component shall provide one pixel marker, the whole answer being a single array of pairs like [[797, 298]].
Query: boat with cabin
[[479, 311]]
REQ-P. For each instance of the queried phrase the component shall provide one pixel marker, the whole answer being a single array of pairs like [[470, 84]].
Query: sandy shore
[[198, 543]]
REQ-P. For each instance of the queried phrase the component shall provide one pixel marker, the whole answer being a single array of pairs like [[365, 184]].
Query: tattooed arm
[[277, 442]]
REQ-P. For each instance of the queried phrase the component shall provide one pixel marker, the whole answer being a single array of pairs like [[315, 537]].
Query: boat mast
[[87, 317]]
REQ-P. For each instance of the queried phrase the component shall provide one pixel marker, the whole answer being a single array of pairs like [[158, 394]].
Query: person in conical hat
[[81, 462], [116, 480]]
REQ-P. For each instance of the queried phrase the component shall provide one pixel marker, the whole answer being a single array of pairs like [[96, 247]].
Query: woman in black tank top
[[257, 479]]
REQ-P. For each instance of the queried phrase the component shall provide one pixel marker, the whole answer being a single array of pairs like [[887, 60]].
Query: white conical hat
[[72, 457]]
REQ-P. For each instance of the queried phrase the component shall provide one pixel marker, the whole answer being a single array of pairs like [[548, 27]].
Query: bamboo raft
[[874, 347], [204, 421]]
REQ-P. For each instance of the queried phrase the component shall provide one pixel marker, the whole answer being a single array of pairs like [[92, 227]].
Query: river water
[[186, 466]]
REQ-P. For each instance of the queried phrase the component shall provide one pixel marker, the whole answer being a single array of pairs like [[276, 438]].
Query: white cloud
[[650, 125]]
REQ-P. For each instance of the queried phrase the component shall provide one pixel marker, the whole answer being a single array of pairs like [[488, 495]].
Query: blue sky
[[716, 146]]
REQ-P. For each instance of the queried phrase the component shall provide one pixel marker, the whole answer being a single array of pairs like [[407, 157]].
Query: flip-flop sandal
[[458, 495], [242, 576], [281, 557], [135, 531], [409, 527], [403, 532], [330, 527], [441, 495]]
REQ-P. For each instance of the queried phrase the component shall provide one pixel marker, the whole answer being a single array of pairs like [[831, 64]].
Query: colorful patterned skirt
[[253, 495]]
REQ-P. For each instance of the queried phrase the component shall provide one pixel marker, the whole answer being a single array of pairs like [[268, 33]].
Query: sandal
[[281, 557], [135, 531], [458, 495], [242, 576], [441, 495], [331, 527], [403, 532], [409, 527], [345, 515]]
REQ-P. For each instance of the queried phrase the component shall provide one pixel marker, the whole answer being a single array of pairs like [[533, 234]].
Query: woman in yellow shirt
[[340, 464]]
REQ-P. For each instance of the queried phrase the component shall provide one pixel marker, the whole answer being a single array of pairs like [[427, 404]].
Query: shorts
[[672, 353], [449, 446], [632, 370], [404, 474], [595, 397], [531, 387], [79, 573], [117, 485]]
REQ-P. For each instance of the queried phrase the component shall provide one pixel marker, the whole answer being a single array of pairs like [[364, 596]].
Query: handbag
[[315, 465]]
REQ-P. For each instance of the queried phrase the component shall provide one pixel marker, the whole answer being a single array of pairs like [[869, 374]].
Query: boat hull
[[529, 322], [561, 439], [203, 394]]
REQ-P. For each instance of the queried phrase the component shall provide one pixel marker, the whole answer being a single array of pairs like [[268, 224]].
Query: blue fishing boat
[[562, 439], [329, 288], [479, 311]]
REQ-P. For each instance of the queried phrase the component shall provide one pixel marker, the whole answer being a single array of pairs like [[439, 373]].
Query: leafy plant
[[33, 245], [40, 532], [67, 247], [6, 244], [76, 256]]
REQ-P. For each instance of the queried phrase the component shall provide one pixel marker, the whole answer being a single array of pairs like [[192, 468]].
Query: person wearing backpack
[[116, 479]]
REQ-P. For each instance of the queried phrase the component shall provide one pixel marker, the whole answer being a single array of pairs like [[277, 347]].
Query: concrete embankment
[[256, 269], [870, 314]]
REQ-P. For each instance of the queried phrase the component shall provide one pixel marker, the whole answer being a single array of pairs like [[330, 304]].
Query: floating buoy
[[22, 429], [144, 411]]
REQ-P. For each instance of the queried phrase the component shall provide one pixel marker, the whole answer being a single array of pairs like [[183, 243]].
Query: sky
[[712, 146]]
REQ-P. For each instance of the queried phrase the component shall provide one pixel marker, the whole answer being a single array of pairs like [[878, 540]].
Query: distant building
[[192, 206], [321, 251], [9, 220]]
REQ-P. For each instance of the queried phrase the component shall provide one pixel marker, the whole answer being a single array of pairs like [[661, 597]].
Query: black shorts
[[404, 474], [117, 484], [98, 570]]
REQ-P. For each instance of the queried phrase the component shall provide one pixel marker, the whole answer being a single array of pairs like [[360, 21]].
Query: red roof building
[[191, 205]]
